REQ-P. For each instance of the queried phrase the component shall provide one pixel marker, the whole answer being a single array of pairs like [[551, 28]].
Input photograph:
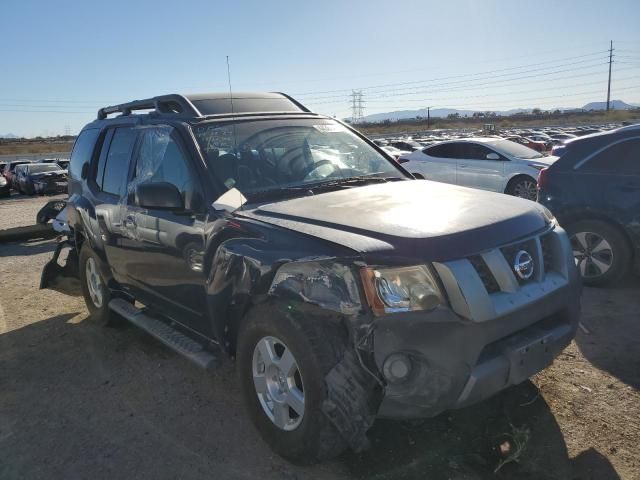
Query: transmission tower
[[67, 130], [357, 106]]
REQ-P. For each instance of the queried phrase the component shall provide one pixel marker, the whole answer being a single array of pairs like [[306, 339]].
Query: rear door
[[611, 180], [166, 248], [438, 163], [475, 170], [108, 182]]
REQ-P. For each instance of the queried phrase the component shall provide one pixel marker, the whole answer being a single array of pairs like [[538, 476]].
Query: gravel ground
[[20, 210], [79, 400]]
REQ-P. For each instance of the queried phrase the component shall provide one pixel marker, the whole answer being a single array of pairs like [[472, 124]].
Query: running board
[[172, 338]]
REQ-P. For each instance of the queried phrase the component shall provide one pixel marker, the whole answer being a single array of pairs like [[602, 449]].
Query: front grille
[[488, 280], [486, 268], [510, 253], [547, 252]]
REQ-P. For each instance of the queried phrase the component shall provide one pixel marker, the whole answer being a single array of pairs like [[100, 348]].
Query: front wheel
[[282, 365], [523, 187]]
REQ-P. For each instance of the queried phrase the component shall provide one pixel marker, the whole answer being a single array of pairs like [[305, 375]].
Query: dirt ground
[[83, 401]]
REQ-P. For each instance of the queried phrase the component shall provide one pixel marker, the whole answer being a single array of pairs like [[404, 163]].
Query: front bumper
[[50, 186], [456, 362], [485, 342]]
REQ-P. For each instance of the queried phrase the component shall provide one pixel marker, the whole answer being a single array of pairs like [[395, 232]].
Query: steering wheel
[[310, 174]]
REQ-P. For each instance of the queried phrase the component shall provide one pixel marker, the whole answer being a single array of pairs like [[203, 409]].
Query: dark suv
[[594, 190], [345, 289]]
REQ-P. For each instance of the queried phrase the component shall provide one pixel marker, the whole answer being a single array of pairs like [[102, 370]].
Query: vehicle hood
[[409, 219], [53, 173]]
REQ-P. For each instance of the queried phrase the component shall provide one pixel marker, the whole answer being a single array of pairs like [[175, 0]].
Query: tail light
[[543, 178]]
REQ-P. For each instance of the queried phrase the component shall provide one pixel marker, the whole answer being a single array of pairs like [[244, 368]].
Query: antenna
[[233, 113], [233, 127]]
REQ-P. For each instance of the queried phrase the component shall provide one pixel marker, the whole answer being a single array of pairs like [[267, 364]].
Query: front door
[[476, 170], [166, 247]]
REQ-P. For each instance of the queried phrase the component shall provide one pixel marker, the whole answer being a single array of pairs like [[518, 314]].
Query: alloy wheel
[[94, 282], [526, 189], [593, 254], [278, 383]]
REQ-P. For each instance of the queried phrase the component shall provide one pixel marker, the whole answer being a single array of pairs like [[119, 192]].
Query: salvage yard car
[[594, 190], [345, 289], [488, 163], [40, 178]]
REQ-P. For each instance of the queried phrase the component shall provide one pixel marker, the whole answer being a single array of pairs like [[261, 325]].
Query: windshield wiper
[[277, 193], [351, 182], [312, 188]]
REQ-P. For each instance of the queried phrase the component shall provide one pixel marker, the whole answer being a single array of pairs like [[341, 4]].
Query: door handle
[[129, 221]]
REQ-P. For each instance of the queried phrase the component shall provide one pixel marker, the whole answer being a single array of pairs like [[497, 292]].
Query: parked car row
[[591, 182], [32, 177]]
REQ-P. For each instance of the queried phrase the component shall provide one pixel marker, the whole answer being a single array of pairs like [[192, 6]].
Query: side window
[[117, 159], [474, 151], [161, 159], [82, 151], [446, 150], [621, 158]]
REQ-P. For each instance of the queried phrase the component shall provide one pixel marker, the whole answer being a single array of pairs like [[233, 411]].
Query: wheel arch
[[570, 218]]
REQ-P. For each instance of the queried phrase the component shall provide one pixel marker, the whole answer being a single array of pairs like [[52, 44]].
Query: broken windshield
[[260, 155]]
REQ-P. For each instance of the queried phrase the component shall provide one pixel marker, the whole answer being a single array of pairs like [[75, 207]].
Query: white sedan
[[489, 163]]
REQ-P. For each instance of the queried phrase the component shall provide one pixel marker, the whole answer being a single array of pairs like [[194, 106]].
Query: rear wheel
[[523, 187], [94, 288], [282, 363], [601, 251]]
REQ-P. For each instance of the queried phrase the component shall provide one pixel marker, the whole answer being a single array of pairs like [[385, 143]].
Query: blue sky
[[62, 60]]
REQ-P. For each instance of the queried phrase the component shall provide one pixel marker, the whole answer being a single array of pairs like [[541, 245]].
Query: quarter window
[[621, 158], [82, 151]]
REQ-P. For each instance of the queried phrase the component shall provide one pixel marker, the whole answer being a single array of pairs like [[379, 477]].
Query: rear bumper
[[457, 362]]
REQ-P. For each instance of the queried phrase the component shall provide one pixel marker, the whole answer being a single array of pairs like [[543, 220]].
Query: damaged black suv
[[345, 289]]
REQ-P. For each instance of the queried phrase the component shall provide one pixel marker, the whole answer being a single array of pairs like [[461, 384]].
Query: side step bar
[[172, 338]]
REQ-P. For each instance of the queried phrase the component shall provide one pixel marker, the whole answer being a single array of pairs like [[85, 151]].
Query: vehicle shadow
[[27, 247], [610, 333], [81, 400], [478, 442]]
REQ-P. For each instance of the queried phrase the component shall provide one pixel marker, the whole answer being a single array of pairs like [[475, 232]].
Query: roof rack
[[172, 104]]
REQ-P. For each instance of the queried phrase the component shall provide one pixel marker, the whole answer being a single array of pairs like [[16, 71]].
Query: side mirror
[[418, 176], [493, 156], [84, 173], [159, 196]]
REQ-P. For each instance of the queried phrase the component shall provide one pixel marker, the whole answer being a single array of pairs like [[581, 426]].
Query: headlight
[[401, 289]]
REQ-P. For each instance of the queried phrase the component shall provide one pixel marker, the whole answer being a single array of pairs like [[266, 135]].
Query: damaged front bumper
[[62, 278], [454, 362]]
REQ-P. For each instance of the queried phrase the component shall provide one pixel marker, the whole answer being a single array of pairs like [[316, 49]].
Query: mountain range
[[444, 112], [8, 135]]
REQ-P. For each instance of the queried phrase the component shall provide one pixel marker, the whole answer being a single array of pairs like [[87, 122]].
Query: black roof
[[209, 104]]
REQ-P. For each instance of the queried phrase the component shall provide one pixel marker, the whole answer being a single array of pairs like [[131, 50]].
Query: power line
[[468, 88], [560, 60], [470, 80]]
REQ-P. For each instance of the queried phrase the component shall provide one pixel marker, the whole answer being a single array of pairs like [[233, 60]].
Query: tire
[[597, 244], [316, 347], [91, 288], [523, 186]]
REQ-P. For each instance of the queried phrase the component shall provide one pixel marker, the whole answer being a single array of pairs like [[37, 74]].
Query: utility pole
[[428, 117], [609, 83]]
